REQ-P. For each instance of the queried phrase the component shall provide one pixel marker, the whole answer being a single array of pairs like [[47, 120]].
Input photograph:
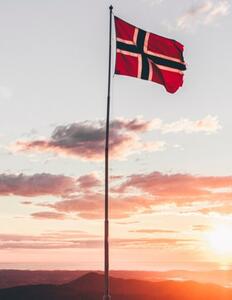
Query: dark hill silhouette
[[12, 278], [90, 287]]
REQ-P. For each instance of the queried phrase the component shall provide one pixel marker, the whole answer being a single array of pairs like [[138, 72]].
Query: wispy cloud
[[202, 13], [50, 240], [209, 124], [153, 231], [49, 215], [220, 9], [201, 227], [81, 240], [220, 209]]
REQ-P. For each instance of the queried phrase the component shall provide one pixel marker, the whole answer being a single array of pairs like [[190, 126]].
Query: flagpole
[[106, 237]]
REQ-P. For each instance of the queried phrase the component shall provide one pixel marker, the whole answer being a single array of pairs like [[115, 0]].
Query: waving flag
[[148, 56]]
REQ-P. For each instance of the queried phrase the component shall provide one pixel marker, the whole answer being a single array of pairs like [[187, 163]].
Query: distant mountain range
[[11, 278], [90, 287]]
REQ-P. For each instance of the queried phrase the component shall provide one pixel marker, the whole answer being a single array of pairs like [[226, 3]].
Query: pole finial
[[111, 7]]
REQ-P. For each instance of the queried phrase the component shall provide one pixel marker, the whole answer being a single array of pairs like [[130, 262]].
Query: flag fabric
[[148, 56]]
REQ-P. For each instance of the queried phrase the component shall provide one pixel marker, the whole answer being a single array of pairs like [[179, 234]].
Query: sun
[[220, 240]]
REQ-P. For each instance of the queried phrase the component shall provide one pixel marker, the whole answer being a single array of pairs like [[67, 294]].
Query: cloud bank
[[83, 197]]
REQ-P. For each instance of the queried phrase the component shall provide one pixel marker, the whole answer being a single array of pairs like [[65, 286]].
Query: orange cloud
[[152, 231], [222, 209], [201, 227]]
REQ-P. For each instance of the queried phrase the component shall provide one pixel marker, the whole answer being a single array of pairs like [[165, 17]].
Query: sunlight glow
[[220, 240]]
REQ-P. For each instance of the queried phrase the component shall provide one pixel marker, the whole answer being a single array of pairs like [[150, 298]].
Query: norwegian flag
[[148, 56]]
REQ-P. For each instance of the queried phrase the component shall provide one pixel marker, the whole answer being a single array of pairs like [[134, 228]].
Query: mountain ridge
[[11, 278], [90, 287]]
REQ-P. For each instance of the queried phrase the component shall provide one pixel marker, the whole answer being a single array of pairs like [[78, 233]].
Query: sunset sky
[[170, 169]]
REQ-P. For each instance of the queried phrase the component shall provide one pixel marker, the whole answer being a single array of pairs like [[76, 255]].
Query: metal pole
[[106, 241]]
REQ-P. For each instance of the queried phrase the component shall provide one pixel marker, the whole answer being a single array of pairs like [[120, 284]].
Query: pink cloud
[[141, 193], [137, 194], [91, 206], [46, 184], [36, 185], [49, 215], [89, 182], [179, 188]]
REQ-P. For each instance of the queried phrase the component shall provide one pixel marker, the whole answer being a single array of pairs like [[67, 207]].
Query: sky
[[170, 155]]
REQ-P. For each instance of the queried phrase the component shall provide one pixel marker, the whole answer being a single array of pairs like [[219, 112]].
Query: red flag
[[148, 56]]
